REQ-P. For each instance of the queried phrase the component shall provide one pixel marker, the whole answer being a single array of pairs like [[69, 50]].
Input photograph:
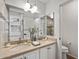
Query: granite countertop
[[6, 53]]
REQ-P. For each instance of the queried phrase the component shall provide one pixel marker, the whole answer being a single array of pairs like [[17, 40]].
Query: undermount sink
[[20, 46], [16, 46]]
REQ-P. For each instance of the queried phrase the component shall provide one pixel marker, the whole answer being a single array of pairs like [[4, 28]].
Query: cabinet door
[[51, 53], [48, 52], [43, 53], [33, 55], [19, 57]]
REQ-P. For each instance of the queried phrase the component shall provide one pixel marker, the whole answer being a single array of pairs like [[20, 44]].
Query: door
[[15, 26], [69, 25]]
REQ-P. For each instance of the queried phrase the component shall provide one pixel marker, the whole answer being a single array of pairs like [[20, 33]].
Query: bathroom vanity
[[46, 50]]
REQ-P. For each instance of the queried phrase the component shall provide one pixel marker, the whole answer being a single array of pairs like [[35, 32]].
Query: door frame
[[60, 28], [60, 19]]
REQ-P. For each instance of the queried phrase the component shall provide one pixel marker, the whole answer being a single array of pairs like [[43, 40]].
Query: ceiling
[[44, 1], [20, 4]]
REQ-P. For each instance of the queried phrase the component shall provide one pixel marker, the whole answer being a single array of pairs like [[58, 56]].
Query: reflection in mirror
[[50, 25], [34, 27], [25, 25], [15, 26]]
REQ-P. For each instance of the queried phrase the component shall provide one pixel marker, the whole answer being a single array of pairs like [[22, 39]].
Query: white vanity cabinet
[[30, 55], [48, 52]]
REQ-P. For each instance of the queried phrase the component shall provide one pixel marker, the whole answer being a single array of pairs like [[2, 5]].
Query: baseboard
[[69, 56]]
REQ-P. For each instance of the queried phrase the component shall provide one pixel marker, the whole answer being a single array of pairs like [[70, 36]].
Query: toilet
[[64, 52]]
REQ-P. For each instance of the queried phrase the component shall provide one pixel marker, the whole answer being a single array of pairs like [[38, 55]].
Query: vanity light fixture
[[34, 9], [27, 6]]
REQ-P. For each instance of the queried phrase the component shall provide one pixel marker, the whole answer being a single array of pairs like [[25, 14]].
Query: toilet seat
[[64, 52], [64, 49]]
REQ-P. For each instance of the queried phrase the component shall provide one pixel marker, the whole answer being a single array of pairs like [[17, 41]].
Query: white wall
[[3, 10], [69, 26], [53, 6]]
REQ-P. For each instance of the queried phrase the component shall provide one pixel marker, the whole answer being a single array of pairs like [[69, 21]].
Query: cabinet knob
[[20, 58], [49, 48], [24, 57]]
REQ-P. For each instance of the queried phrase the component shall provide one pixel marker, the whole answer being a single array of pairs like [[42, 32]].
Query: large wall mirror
[[25, 25]]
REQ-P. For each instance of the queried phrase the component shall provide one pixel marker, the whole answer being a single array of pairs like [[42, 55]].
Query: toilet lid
[[64, 47]]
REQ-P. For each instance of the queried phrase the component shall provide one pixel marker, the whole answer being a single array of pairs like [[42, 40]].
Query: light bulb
[[34, 9], [37, 20], [26, 7], [51, 15]]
